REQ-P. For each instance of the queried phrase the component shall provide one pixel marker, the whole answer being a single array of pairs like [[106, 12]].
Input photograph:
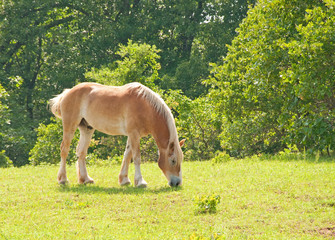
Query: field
[[269, 199]]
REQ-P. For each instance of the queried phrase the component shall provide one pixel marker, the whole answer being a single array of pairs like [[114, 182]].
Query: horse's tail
[[54, 103]]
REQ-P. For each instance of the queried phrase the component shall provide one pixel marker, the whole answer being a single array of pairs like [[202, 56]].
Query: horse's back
[[113, 110]]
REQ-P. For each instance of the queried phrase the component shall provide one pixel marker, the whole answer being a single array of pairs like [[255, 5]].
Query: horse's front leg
[[135, 147]]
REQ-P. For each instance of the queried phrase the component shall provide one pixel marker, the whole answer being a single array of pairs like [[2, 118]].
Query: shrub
[[198, 122], [47, 147], [221, 157], [4, 160], [106, 146]]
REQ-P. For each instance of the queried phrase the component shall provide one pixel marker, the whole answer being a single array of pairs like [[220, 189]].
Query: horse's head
[[170, 162]]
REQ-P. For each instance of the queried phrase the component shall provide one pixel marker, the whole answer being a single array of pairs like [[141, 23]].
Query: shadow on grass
[[94, 189]]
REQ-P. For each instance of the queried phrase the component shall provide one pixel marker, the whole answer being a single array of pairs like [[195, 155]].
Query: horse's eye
[[173, 161]]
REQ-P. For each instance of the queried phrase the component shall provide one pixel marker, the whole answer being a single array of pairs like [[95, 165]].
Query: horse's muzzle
[[175, 181]]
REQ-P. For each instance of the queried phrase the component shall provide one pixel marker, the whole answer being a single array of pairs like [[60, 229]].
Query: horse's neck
[[160, 131]]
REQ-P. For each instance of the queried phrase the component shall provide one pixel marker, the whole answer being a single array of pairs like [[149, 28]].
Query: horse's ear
[[181, 143], [171, 148]]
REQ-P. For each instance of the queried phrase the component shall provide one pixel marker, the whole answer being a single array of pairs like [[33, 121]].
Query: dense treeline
[[47, 46], [241, 76], [276, 87]]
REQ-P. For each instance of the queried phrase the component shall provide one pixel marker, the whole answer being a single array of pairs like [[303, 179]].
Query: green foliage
[[47, 46], [104, 146], [271, 87], [4, 120], [201, 31], [312, 77], [197, 122], [149, 149], [4, 160], [189, 76], [207, 204], [14, 143], [138, 64], [47, 147], [276, 86], [18, 144], [221, 157], [4, 113]]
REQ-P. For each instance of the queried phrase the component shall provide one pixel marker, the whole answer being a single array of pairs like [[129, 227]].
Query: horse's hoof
[[89, 181], [141, 183], [63, 182], [125, 182]]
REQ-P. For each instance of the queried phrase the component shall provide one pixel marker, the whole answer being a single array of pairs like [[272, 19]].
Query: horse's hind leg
[[65, 147], [86, 133], [123, 176]]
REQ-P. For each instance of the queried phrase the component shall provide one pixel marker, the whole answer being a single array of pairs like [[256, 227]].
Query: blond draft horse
[[132, 110]]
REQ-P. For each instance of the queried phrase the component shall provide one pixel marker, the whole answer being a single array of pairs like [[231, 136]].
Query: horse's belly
[[113, 130], [108, 126]]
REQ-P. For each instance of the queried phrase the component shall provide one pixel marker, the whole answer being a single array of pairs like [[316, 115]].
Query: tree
[[195, 33], [4, 126], [312, 77], [139, 63], [276, 86], [47, 46]]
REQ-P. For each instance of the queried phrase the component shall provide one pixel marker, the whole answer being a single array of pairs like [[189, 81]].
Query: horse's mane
[[158, 103]]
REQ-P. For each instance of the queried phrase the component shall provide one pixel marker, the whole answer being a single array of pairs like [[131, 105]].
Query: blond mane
[[158, 103]]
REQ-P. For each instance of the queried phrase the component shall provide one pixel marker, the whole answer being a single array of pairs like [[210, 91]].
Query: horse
[[132, 110]]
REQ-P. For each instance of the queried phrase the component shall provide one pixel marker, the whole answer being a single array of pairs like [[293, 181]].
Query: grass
[[259, 200]]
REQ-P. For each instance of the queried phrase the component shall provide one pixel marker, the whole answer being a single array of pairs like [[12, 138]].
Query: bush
[[93, 159], [47, 147], [198, 122], [106, 146], [4, 160], [221, 157]]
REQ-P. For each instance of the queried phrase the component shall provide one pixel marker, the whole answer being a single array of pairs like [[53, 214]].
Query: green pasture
[[260, 199]]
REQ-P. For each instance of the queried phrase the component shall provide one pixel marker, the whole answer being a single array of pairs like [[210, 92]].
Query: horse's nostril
[[175, 182]]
